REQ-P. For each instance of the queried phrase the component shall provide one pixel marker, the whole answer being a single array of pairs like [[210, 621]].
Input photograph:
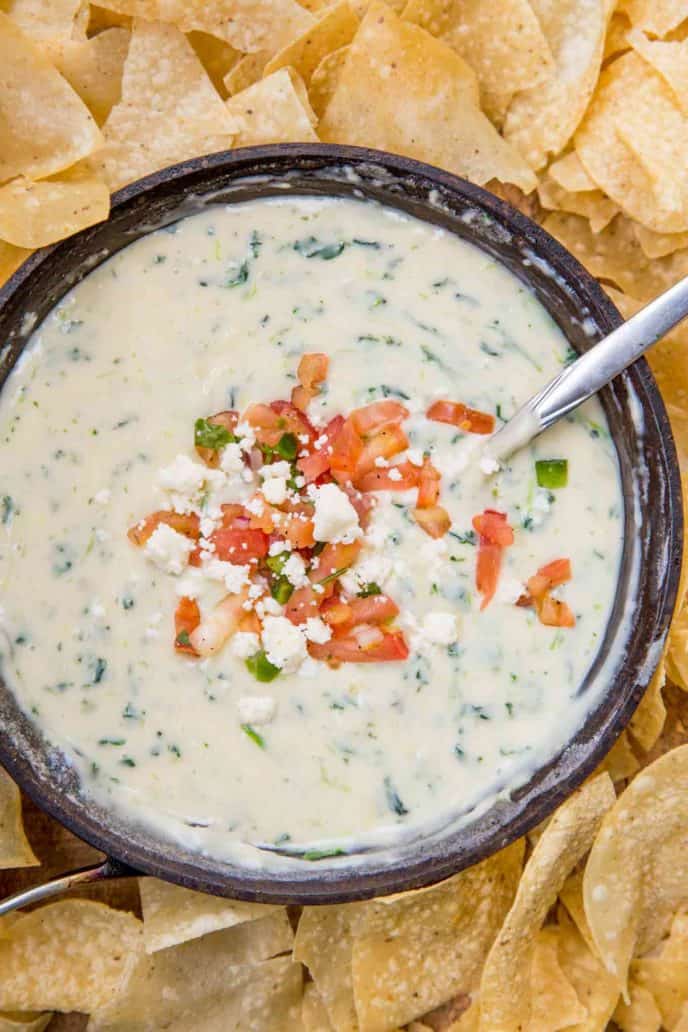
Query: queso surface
[[96, 424]]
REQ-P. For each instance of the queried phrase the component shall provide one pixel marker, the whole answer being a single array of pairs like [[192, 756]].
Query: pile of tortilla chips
[[582, 106]]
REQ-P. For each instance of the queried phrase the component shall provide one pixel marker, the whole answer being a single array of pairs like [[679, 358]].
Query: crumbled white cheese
[[381, 462], [373, 568], [244, 644], [207, 525], [415, 456], [440, 628], [234, 577], [232, 458], [102, 497], [321, 441], [277, 547], [246, 435], [317, 630], [186, 480], [255, 506], [168, 549], [335, 518], [284, 643], [394, 474], [269, 606], [275, 490], [295, 571], [488, 465], [256, 709], [191, 584], [275, 469]]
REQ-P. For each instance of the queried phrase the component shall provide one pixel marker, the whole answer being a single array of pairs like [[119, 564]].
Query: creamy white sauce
[[106, 395]]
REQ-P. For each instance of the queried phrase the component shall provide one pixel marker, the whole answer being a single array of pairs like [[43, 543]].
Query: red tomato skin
[[380, 480], [239, 546], [392, 648], [376, 609], [375, 417], [186, 618], [456, 414], [184, 523]]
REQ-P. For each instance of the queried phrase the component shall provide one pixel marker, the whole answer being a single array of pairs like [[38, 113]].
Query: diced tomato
[[292, 421], [229, 420], [549, 576], [334, 557], [376, 609], [551, 611], [269, 518], [186, 619], [435, 521], [494, 527], [453, 412], [234, 515], [311, 371], [314, 465], [381, 480], [249, 621], [239, 546], [381, 647], [304, 603], [215, 628], [385, 444], [375, 417], [266, 424], [554, 613], [362, 503], [495, 535], [428, 485], [183, 523], [299, 531], [335, 612], [346, 451]]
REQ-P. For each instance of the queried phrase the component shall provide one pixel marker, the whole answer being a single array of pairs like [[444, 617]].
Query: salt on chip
[[44, 125], [169, 110], [45, 20], [324, 943], [217, 57], [313, 1013], [35, 214], [325, 79], [656, 16], [571, 896], [172, 914], [555, 1003], [568, 173], [620, 762], [641, 1014], [670, 59], [591, 204], [15, 850], [413, 955], [658, 245], [505, 984], [336, 28], [28, 1021], [274, 110], [649, 718], [93, 68], [637, 874], [667, 980], [199, 986], [402, 90], [541, 120], [595, 987], [69, 956], [248, 70]]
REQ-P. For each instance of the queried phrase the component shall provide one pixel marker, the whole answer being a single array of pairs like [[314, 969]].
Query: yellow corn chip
[[505, 985], [571, 896], [15, 850], [216, 56], [595, 988], [670, 60], [648, 720], [172, 915], [541, 120], [71, 955], [169, 110], [658, 245], [569, 174], [592, 204], [100, 19], [620, 762], [44, 126], [325, 79], [45, 20], [617, 36], [246, 71], [273, 110], [555, 1004], [29, 1021], [656, 16], [415, 954], [402, 90], [10, 260], [336, 27], [313, 1013], [637, 873], [36, 214], [641, 1014], [93, 68], [324, 943], [667, 980]]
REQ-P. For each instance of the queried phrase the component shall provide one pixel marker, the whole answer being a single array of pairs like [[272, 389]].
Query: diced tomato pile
[[354, 452]]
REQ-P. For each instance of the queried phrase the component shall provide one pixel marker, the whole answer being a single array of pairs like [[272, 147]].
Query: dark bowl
[[649, 469]]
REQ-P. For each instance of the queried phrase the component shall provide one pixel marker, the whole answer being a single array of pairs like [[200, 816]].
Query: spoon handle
[[592, 371]]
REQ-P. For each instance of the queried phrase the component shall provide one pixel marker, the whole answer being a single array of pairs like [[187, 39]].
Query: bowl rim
[[337, 883]]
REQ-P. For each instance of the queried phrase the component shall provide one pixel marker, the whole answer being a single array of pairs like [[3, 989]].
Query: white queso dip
[[257, 584]]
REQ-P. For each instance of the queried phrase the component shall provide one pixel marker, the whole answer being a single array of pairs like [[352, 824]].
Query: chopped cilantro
[[288, 446], [371, 588], [251, 733], [260, 666], [237, 274], [393, 799], [211, 435], [311, 247]]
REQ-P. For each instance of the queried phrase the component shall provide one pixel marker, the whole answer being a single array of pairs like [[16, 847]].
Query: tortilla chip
[[246, 71], [71, 955], [658, 245], [571, 896], [172, 915], [416, 954], [10, 260], [667, 981], [541, 120], [591, 204], [555, 1004], [93, 68], [247, 26], [336, 28], [622, 159], [569, 173], [313, 1013], [44, 126], [45, 19], [169, 110], [505, 985], [36, 214], [324, 943], [617, 41], [200, 986], [637, 874], [29, 1021], [620, 762], [677, 654], [15, 850], [325, 79], [402, 90], [641, 1014], [100, 19], [648, 720], [670, 60], [595, 988], [273, 110], [216, 56], [656, 16]]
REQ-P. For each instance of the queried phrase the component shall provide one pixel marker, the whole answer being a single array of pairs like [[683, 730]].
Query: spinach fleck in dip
[[97, 430]]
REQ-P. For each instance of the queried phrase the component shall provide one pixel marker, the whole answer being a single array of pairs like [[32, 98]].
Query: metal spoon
[[584, 377]]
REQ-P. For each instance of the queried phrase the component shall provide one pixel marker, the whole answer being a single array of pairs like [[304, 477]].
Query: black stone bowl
[[653, 516]]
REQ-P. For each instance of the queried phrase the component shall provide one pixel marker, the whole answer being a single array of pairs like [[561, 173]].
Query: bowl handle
[[103, 871]]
